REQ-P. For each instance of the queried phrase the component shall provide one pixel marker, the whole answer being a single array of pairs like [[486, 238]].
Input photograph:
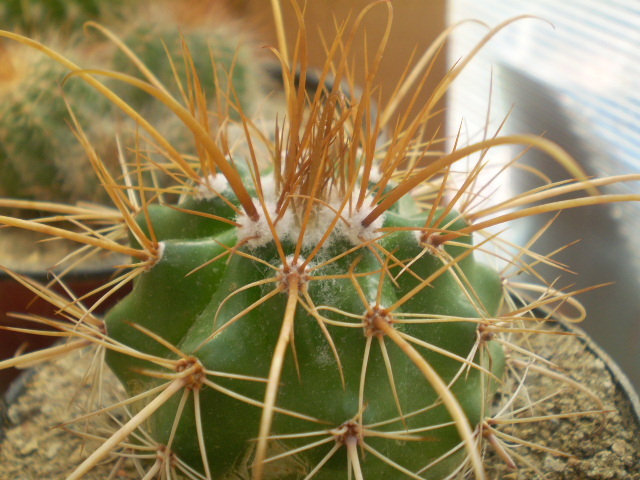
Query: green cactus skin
[[40, 157], [182, 309]]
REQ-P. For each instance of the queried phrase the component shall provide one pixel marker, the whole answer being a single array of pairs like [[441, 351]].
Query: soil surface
[[32, 448], [594, 446], [597, 446]]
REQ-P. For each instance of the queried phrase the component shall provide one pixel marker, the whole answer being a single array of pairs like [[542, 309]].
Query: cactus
[[216, 54], [319, 312], [32, 17], [278, 281], [220, 58], [40, 157]]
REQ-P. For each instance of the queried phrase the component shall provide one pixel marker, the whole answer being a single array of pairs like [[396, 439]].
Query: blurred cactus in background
[[39, 154], [33, 17], [40, 158]]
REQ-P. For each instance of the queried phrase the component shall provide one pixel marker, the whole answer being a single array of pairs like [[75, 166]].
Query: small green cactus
[[317, 312], [222, 68], [216, 55], [40, 157], [32, 17]]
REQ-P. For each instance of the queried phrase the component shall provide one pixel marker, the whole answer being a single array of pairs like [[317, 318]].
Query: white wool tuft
[[321, 221], [211, 186], [160, 254], [287, 227], [256, 233], [357, 233], [375, 174], [161, 248], [294, 263], [268, 184]]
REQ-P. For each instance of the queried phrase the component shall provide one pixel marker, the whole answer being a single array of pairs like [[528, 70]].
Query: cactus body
[[186, 309]]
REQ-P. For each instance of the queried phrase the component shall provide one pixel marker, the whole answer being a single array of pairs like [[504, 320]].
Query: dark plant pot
[[16, 298]]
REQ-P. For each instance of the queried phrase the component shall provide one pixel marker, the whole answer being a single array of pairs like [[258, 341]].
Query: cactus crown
[[308, 302]]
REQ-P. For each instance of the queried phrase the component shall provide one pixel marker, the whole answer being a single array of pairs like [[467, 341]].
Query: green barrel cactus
[[315, 303], [342, 378]]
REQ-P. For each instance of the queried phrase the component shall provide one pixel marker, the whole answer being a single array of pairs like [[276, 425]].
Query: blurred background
[[572, 74]]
